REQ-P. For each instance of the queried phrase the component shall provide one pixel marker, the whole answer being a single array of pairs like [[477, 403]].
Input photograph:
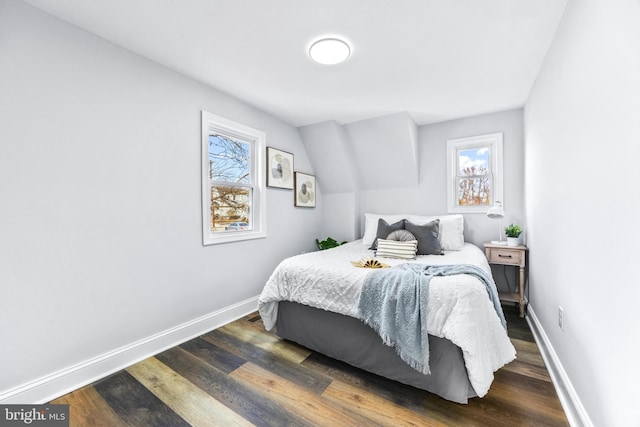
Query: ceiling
[[435, 59]]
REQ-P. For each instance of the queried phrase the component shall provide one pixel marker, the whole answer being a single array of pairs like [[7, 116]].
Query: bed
[[312, 299]]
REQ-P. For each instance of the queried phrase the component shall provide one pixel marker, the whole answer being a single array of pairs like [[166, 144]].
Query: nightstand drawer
[[505, 256]]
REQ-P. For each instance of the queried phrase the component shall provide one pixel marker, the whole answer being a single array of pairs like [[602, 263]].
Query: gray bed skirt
[[350, 340]]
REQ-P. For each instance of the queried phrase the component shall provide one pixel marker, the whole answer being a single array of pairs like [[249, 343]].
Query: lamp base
[[499, 242]]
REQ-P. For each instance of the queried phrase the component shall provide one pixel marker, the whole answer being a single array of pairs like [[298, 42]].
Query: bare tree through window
[[229, 172], [474, 177]]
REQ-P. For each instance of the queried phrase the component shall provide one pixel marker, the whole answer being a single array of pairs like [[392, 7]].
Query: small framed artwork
[[305, 190], [279, 168]]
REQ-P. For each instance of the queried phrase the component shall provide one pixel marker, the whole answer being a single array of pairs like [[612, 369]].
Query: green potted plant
[[513, 232], [328, 244]]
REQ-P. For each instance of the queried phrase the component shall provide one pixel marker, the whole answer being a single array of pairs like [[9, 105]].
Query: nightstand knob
[[504, 256]]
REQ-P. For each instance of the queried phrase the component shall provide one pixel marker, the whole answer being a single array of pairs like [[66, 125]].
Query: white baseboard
[[569, 399], [64, 381]]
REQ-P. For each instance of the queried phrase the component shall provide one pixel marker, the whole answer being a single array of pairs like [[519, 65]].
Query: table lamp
[[496, 212]]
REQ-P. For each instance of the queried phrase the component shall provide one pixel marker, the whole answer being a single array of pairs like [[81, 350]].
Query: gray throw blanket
[[394, 303]]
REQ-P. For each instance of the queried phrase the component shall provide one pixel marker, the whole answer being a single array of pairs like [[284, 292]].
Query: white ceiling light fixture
[[329, 51]]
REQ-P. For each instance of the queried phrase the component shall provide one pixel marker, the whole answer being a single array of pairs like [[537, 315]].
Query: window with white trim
[[233, 187], [474, 169]]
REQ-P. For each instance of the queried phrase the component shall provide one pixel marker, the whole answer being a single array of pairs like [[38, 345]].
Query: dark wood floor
[[241, 375]]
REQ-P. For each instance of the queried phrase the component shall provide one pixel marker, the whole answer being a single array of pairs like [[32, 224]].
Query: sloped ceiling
[[436, 60], [381, 152], [329, 149], [385, 150]]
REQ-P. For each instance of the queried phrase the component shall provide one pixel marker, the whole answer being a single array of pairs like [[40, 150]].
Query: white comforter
[[459, 308]]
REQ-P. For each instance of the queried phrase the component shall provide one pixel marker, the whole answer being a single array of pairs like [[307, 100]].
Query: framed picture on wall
[[305, 190], [279, 168]]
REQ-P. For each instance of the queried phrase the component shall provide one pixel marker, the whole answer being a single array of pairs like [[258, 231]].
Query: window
[[474, 167], [233, 193]]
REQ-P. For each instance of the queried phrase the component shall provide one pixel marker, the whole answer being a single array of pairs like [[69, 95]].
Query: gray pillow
[[427, 236], [401, 236], [384, 229]]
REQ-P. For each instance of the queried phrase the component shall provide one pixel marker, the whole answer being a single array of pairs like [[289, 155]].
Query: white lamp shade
[[496, 211]]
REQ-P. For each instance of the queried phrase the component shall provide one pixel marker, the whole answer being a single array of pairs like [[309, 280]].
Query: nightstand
[[510, 255]]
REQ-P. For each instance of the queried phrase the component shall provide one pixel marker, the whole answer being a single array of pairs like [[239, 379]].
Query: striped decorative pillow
[[395, 249]]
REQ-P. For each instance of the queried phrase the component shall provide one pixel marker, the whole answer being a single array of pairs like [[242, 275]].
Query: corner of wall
[[575, 411]]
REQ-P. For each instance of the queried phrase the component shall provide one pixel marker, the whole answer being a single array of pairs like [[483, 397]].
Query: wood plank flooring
[[241, 375]]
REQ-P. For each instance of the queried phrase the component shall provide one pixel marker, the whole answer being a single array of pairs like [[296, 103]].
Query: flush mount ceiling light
[[329, 51]]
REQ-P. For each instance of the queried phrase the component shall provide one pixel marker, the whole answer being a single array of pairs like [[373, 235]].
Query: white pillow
[[451, 229], [371, 225]]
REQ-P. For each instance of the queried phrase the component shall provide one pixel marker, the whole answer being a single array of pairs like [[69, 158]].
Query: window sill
[[233, 236]]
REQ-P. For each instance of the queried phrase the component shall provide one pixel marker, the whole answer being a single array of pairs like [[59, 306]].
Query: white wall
[[429, 196], [340, 217], [100, 229], [582, 123]]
